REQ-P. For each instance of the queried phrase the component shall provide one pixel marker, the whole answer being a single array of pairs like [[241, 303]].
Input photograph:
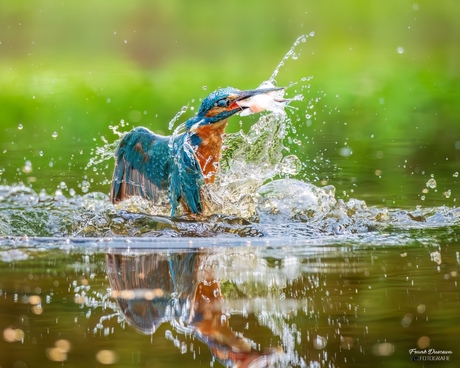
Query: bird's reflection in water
[[182, 289]]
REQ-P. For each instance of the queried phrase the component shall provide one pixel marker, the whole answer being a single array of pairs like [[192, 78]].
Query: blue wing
[[186, 177], [143, 166], [147, 164]]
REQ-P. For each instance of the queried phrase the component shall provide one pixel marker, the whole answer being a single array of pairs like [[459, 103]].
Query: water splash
[[249, 159], [101, 155], [290, 54], [255, 194], [177, 116]]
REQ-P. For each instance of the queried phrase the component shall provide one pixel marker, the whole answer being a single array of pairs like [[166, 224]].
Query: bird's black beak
[[244, 95]]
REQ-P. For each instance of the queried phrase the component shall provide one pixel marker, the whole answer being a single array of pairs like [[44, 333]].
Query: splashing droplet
[[431, 183], [54, 135], [290, 53], [20, 126], [27, 168], [177, 116], [291, 165], [320, 342], [345, 151], [84, 186]]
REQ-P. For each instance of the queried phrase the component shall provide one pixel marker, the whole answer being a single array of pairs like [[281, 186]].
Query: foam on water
[[285, 209]]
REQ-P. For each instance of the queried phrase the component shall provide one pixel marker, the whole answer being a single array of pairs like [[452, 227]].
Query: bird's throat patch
[[209, 150]]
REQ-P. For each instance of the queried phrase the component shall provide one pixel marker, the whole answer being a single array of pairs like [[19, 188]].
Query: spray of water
[[255, 182], [290, 54], [177, 116], [249, 159]]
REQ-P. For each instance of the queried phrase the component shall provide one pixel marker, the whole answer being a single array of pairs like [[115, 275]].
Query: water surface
[[289, 302]]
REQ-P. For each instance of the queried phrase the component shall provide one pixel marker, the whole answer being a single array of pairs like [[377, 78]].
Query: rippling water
[[330, 301]]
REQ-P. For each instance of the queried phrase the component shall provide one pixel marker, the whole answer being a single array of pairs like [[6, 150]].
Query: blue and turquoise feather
[[143, 166], [149, 164]]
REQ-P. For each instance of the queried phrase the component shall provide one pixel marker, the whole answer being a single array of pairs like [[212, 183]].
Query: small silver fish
[[272, 101]]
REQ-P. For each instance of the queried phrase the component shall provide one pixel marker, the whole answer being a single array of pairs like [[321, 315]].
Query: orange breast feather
[[210, 149]]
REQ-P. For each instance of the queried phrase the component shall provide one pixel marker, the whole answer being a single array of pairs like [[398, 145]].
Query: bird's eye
[[224, 102]]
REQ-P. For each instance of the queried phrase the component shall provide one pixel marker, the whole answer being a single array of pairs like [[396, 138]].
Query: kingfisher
[[148, 164]]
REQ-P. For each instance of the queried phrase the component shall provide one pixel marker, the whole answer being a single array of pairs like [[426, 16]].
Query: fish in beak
[[265, 97]]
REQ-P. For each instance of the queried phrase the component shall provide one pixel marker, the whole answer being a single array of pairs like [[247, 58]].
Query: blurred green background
[[383, 104]]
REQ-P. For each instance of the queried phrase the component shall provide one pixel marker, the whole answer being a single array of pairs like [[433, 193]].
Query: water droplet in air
[[84, 186], [291, 165], [205, 87], [177, 116], [431, 183], [312, 34], [40, 153], [27, 169], [320, 342], [447, 194], [54, 135], [168, 335], [455, 174], [400, 49], [20, 126], [345, 151]]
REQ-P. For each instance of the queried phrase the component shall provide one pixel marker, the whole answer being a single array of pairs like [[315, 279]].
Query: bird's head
[[225, 102]]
